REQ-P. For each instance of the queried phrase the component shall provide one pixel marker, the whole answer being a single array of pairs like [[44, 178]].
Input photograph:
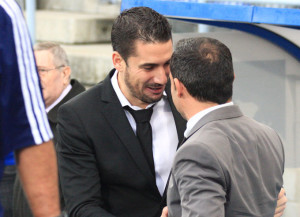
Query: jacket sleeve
[[79, 176], [200, 182]]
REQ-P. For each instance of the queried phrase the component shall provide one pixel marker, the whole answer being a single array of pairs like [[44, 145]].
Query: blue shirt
[[23, 120], [9, 159]]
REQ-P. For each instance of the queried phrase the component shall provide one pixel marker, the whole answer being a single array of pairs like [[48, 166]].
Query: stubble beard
[[138, 95]]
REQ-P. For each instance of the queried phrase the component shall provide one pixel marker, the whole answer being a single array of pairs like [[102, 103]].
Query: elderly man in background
[[54, 71]]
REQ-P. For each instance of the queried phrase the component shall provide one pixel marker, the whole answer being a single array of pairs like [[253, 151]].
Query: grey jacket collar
[[227, 112]]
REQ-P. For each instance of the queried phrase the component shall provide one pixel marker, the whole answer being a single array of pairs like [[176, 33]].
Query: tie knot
[[140, 116]]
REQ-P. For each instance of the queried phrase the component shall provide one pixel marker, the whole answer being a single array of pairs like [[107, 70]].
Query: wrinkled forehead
[[44, 58]]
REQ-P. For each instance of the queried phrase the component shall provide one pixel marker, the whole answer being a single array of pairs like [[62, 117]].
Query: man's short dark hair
[[138, 23], [204, 66]]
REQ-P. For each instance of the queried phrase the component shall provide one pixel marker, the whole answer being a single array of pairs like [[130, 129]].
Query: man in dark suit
[[104, 169], [58, 88], [230, 165]]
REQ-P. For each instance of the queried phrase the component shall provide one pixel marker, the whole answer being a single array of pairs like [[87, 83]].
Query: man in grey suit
[[230, 165]]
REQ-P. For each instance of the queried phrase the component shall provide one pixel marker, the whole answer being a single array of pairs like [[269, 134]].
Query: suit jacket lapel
[[116, 117]]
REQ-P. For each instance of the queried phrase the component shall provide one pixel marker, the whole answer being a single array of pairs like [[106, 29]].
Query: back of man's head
[[204, 66], [60, 57], [138, 23]]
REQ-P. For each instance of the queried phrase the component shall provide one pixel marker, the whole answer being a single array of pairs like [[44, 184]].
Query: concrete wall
[[292, 188]]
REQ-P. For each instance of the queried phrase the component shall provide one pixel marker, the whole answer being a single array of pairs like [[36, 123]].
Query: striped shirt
[[23, 119]]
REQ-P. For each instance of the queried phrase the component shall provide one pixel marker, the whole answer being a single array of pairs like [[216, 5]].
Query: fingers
[[164, 212], [281, 203]]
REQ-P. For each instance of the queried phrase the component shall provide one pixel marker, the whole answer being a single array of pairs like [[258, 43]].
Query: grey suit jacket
[[230, 165]]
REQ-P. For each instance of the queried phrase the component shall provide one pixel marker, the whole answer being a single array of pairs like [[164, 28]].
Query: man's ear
[[66, 73], [118, 61], [179, 87]]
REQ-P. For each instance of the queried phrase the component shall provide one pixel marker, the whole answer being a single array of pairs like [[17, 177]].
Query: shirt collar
[[197, 117]]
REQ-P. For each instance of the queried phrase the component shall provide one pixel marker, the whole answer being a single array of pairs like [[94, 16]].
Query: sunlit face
[[53, 79], [144, 77]]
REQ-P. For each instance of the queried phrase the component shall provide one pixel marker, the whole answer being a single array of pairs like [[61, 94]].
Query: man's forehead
[[43, 57], [142, 48]]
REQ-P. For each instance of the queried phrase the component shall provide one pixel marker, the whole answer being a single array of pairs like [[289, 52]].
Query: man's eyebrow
[[41, 66], [152, 64], [148, 65]]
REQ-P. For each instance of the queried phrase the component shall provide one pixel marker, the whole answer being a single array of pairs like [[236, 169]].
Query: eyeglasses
[[45, 71]]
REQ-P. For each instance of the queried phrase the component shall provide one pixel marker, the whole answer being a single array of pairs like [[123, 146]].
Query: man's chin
[[152, 99]]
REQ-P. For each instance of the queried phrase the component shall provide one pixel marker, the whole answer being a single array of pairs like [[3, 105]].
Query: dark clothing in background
[[20, 204]]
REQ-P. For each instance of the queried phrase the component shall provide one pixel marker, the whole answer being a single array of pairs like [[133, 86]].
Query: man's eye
[[148, 68], [42, 70]]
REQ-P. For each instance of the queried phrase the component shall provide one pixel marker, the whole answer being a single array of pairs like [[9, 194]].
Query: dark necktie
[[144, 132]]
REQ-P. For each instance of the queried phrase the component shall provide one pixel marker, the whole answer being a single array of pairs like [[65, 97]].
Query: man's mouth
[[156, 89]]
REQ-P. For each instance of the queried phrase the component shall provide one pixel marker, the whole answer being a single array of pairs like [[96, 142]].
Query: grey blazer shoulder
[[224, 168]]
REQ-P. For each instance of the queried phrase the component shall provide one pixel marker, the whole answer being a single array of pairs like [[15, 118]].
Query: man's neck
[[194, 106]]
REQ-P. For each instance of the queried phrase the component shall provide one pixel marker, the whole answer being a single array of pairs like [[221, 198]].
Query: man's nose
[[161, 75], [42, 80]]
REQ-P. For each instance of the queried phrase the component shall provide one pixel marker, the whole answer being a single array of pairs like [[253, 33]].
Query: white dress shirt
[[164, 134], [194, 120]]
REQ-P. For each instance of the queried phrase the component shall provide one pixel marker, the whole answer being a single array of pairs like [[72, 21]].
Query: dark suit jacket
[[77, 88], [230, 165], [102, 168], [21, 207]]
